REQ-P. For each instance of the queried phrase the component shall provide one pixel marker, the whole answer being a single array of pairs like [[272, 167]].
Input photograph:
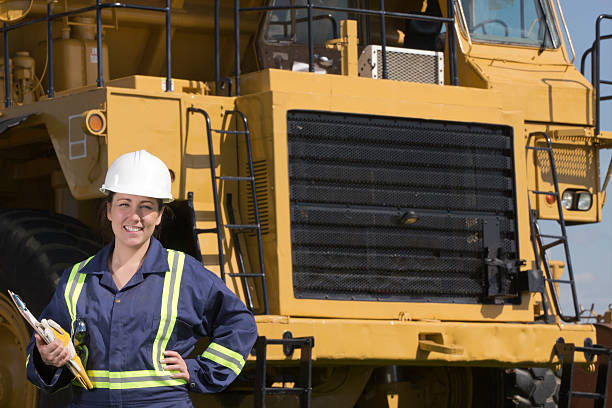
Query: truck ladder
[[538, 239], [303, 387], [566, 351], [234, 228]]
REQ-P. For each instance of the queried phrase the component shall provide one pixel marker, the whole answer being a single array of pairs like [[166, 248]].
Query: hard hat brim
[[134, 191]]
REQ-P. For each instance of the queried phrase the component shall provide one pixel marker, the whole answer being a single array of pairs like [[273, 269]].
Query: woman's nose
[[134, 215]]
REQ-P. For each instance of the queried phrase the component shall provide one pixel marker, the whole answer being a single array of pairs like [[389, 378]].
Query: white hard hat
[[139, 173]]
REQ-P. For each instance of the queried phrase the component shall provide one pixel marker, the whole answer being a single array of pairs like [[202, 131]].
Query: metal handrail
[[589, 51], [98, 7], [382, 13], [595, 52], [334, 24]]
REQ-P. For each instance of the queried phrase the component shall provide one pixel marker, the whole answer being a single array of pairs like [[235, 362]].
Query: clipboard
[[48, 330]]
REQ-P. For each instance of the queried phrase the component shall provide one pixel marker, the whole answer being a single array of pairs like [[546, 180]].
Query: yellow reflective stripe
[[156, 355], [169, 306], [69, 287], [175, 288], [27, 360], [224, 356], [73, 289], [230, 353], [128, 374], [220, 360], [143, 384], [123, 380]]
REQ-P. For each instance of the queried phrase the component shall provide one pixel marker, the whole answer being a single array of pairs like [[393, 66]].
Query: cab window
[[523, 22]]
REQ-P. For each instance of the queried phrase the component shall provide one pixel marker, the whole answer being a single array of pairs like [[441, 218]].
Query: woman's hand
[[174, 362], [52, 354]]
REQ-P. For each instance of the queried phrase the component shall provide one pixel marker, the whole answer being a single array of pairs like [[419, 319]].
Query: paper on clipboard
[[29, 317]]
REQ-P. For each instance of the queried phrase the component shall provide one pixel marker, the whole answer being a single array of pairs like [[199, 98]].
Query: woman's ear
[[108, 211], [159, 217]]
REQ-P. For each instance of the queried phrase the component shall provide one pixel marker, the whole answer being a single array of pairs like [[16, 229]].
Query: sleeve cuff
[[44, 376], [192, 367]]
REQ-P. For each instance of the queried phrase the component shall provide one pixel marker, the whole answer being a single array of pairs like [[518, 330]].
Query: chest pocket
[[183, 332]]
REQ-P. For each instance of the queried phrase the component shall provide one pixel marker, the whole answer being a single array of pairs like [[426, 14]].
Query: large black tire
[[35, 248], [531, 388]]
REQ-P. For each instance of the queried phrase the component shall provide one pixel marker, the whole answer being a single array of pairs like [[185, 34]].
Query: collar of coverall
[[156, 260]]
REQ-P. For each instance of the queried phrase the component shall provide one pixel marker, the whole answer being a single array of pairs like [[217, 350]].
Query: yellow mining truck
[[369, 176]]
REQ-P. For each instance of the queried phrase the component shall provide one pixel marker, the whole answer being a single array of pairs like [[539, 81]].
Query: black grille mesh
[[354, 179]]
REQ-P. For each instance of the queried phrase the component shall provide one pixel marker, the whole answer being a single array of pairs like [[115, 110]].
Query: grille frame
[[298, 233]]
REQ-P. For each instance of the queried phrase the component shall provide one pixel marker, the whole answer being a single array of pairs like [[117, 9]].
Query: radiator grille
[[354, 181], [260, 172], [570, 162], [403, 64]]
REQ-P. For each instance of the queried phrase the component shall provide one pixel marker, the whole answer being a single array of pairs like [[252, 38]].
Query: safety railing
[[310, 7], [595, 52], [98, 7]]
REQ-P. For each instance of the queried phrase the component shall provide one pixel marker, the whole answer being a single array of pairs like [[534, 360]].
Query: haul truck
[[370, 177]]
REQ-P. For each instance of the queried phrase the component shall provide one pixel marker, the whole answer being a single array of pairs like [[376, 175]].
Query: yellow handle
[[79, 371], [430, 345]]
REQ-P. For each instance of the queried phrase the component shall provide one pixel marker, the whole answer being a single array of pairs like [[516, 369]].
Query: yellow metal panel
[[380, 341], [78, 152], [577, 164], [137, 121], [545, 93]]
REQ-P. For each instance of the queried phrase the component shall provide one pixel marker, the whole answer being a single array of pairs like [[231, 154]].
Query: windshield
[[526, 22]]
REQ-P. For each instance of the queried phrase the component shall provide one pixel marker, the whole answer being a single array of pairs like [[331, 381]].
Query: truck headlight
[[576, 200], [567, 199], [585, 199]]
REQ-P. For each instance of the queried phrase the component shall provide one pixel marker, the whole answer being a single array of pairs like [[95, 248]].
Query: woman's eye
[[147, 207], [124, 205]]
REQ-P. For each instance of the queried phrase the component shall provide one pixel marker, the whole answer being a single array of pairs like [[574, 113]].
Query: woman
[[144, 306]]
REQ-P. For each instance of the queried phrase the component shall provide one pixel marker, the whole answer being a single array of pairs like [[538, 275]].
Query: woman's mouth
[[130, 228]]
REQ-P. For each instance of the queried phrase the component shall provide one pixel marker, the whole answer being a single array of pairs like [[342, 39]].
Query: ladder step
[[545, 149], [205, 230], [559, 281], [242, 226], [595, 349], [246, 275], [279, 390], [591, 395], [235, 178], [552, 236], [291, 341], [553, 193], [553, 244], [230, 132]]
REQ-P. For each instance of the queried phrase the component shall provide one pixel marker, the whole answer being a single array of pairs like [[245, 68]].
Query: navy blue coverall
[[169, 304]]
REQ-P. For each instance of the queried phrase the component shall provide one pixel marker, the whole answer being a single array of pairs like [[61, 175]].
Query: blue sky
[[591, 245]]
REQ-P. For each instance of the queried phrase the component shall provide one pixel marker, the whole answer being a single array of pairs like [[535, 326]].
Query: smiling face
[[133, 219]]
